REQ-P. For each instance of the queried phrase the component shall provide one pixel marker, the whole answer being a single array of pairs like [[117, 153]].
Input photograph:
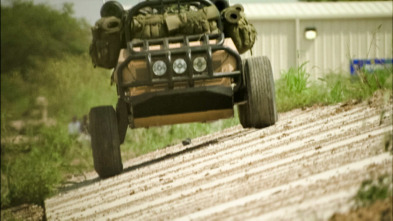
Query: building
[[338, 33]]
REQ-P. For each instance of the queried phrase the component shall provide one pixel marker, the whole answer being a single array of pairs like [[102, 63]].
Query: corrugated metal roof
[[318, 10]]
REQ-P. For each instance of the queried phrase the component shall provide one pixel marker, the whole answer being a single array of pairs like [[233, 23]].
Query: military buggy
[[176, 61]]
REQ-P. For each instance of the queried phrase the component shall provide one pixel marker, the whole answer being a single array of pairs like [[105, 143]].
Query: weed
[[336, 94], [294, 89], [297, 79]]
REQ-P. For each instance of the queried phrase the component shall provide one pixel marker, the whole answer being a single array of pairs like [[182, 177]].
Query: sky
[[90, 9]]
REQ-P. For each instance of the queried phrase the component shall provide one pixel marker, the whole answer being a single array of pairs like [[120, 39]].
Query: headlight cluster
[[179, 66]]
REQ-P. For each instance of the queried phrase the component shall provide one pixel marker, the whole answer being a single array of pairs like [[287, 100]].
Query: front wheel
[[105, 141], [260, 109]]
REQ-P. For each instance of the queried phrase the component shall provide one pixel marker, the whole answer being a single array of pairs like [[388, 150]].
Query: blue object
[[370, 65]]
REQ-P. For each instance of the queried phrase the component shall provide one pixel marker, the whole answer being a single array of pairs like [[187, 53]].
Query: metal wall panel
[[338, 41]]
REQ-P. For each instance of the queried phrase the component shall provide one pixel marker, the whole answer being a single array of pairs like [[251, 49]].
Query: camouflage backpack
[[238, 28], [106, 43]]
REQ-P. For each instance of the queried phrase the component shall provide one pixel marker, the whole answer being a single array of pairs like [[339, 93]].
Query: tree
[[31, 33]]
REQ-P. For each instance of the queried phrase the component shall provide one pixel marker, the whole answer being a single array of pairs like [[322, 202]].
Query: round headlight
[[179, 66], [199, 64], [159, 68]]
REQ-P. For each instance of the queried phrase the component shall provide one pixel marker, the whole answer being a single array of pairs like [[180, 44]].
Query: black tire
[[260, 110], [105, 141], [112, 8], [122, 119], [221, 4]]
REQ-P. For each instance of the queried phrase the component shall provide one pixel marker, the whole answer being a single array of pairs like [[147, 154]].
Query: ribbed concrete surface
[[306, 167]]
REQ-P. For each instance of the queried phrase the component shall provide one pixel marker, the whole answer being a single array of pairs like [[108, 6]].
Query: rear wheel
[[260, 109], [105, 141]]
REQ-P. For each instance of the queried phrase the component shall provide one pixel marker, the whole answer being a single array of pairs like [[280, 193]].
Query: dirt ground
[[309, 166], [378, 211], [23, 212]]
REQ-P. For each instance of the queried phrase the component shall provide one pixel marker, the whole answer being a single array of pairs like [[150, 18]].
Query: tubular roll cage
[[206, 50]]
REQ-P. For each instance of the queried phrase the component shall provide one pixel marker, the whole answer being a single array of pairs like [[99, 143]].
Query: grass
[[295, 89], [32, 171]]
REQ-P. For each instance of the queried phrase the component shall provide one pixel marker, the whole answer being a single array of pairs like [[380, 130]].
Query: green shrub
[[373, 190], [31, 175]]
